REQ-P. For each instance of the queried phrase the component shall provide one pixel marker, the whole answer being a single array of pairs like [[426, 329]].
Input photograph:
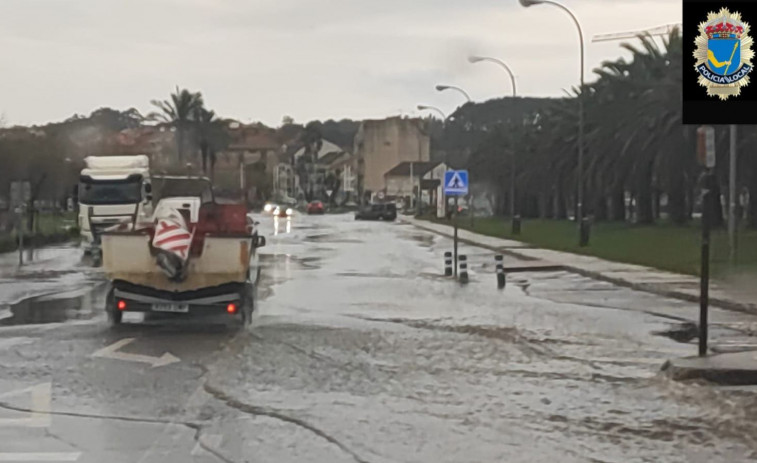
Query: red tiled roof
[[253, 137]]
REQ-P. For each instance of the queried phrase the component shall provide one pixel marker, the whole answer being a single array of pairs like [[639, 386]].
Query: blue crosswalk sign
[[456, 183]]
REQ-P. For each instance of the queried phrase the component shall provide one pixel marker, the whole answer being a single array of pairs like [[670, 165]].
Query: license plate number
[[179, 308]]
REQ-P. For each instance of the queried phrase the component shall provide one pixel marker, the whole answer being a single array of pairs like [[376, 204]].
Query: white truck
[[113, 190]]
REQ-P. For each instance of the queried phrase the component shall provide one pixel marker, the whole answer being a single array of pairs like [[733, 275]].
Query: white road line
[[211, 440], [41, 399], [40, 456]]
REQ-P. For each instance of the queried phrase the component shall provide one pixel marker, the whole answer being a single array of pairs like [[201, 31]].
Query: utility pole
[[412, 186], [706, 155], [420, 178], [732, 196]]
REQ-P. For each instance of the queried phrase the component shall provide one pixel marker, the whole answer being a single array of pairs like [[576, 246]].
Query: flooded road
[[362, 351]]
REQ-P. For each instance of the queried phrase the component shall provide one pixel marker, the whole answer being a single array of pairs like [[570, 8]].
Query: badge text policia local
[[724, 54]]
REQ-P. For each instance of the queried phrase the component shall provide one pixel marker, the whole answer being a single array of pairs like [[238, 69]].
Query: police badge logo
[[724, 54]]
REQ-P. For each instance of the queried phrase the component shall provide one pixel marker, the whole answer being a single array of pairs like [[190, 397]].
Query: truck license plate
[[179, 308]]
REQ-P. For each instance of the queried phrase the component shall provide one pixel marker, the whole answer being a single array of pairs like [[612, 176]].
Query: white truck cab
[[113, 190]]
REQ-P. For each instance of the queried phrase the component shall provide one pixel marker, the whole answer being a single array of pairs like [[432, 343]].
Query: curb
[[687, 369], [719, 302]]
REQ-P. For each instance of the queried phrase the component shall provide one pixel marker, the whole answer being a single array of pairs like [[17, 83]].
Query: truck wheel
[[114, 315]]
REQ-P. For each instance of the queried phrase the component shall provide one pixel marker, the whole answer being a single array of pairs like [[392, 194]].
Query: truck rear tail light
[[121, 305], [231, 308]]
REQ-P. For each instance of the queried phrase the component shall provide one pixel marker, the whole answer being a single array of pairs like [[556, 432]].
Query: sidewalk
[[734, 369], [685, 287]]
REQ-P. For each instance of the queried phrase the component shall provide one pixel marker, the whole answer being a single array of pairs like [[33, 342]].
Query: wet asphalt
[[361, 351]]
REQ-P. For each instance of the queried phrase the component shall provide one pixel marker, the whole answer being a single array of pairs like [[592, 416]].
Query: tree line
[[640, 160]]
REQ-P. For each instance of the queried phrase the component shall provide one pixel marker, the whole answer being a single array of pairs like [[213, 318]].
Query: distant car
[[277, 210], [282, 211], [377, 212], [315, 207], [269, 208]]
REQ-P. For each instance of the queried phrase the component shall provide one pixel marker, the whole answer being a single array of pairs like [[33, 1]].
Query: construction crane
[[655, 31]]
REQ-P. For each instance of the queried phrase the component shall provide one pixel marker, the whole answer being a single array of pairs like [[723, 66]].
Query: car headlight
[[267, 208], [289, 211], [276, 211]]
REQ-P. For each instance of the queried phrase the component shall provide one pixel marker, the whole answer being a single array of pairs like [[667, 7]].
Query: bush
[[7, 243]]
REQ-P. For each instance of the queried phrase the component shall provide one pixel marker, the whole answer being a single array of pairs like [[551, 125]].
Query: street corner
[[731, 369]]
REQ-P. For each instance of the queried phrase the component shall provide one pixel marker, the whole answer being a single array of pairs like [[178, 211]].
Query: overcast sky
[[310, 59]]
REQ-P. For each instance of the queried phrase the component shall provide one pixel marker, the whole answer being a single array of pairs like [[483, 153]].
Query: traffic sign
[[456, 183]]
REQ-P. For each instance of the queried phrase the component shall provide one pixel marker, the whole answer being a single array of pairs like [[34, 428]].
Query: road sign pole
[[456, 184], [454, 220]]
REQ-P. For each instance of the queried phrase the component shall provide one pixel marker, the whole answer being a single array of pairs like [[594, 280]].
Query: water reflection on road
[[279, 228]]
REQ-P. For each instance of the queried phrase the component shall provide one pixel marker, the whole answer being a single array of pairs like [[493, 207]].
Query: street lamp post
[[432, 108], [441, 88], [515, 218], [583, 228], [479, 59]]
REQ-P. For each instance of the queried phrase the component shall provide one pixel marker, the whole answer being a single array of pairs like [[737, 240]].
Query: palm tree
[[211, 135], [178, 111]]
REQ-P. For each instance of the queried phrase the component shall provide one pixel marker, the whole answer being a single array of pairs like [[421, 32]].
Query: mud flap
[[114, 315]]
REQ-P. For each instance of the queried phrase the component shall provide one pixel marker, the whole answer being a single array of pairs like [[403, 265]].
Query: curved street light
[[441, 88], [515, 218], [583, 232], [432, 108], [479, 59]]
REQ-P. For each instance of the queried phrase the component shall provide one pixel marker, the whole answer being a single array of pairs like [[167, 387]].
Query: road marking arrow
[[112, 352]]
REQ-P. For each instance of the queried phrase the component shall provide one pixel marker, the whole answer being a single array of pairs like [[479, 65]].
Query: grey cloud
[[261, 59]]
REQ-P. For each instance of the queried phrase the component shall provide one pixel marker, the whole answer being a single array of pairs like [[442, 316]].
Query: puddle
[[329, 238], [681, 332], [371, 275], [424, 240], [269, 262], [82, 304]]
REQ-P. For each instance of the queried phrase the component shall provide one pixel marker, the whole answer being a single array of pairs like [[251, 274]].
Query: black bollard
[[584, 232], [447, 264], [498, 259], [463, 274], [515, 228]]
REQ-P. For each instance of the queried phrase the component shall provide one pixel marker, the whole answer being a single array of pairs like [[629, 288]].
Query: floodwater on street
[[362, 351]]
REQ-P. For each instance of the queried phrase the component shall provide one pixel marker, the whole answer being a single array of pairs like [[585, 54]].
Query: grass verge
[[664, 246]]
